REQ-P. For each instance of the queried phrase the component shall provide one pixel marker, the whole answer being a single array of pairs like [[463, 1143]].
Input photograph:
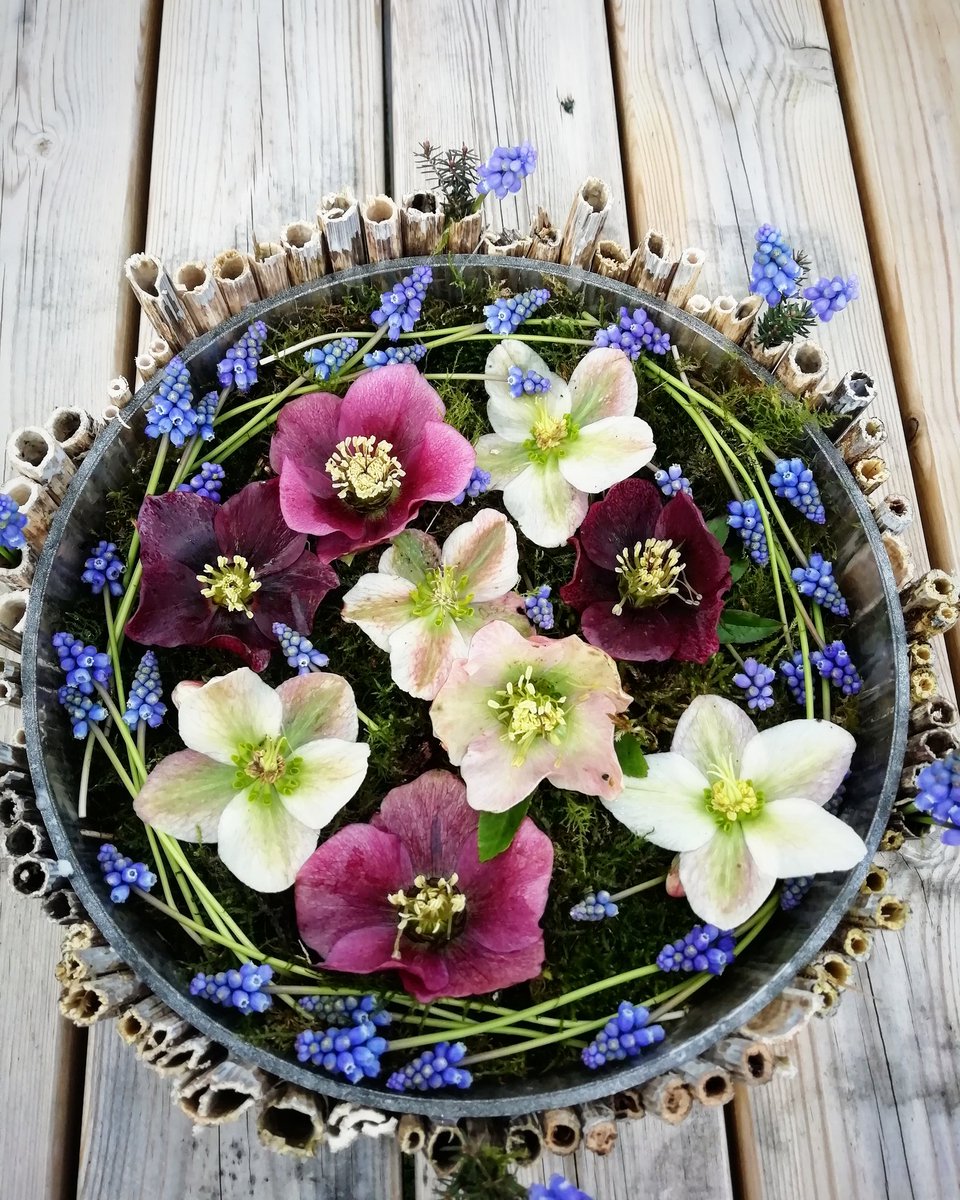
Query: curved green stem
[[113, 647], [639, 887], [85, 777], [115, 761], [254, 426]]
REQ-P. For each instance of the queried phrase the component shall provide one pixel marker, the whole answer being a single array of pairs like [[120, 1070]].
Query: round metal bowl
[[877, 640]]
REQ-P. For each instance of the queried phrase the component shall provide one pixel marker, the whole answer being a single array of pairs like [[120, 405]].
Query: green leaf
[[719, 528], [633, 761], [738, 627], [738, 568], [497, 830]]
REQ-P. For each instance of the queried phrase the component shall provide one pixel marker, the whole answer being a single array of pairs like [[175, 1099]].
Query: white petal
[[504, 460], [232, 709], [799, 758], [422, 653], [510, 609], [380, 605], [796, 837], [606, 452], [722, 883], [331, 771], [667, 806], [320, 704], [411, 555], [263, 844], [485, 550], [712, 733], [510, 416], [603, 384], [544, 505]]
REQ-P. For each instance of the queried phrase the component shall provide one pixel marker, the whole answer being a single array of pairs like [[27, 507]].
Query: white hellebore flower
[[425, 604], [549, 451], [743, 808], [264, 771]]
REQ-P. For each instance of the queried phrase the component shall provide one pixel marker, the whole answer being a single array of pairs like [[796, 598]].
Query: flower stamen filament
[[443, 593], [230, 584], [266, 766], [431, 911], [529, 711], [364, 472], [650, 573]]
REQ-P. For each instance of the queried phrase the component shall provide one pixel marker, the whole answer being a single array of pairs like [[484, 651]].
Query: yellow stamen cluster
[[230, 584], [549, 432], [529, 711], [649, 573], [431, 911], [443, 593], [731, 799], [364, 472]]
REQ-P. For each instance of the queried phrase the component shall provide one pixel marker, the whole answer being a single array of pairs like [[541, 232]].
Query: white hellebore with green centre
[[743, 808], [425, 604], [265, 770], [549, 451]]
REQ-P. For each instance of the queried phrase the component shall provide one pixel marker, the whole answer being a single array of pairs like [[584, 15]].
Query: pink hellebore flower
[[355, 471], [520, 710], [408, 893], [743, 808], [425, 604], [264, 771]]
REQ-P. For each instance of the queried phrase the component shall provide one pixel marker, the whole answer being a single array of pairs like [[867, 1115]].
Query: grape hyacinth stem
[[85, 776], [255, 425], [638, 888], [113, 647]]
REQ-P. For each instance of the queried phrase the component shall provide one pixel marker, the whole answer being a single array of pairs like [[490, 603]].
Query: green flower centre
[[732, 799], [548, 434], [266, 766], [230, 584], [433, 913], [364, 472], [443, 593], [649, 574], [530, 711]]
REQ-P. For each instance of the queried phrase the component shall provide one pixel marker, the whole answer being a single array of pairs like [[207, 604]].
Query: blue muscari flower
[[816, 581], [394, 356], [298, 650], [477, 484], [82, 710], [829, 296], [792, 672], [756, 679], [121, 874], [833, 663], [672, 480], [506, 316], [434, 1068], [144, 702], [12, 521], [240, 364], [207, 483], [103, 569], [206, 411], [400, 307], [171, 410], [775, 271], [329, 358], [595, 906], [938, 795], [796, 484], [240, 988], [539, 607], [744, 516], [704, 948], [622, 1037], [557, 1189], [346, 1010], [506, 169], [353, 1052], [634, 333], [793, 891], [83, 665], [526, 383]]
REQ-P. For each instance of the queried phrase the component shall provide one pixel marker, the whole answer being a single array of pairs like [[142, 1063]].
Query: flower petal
[[410, 555], [607, 452], [494, 781], [722, 883], [331, 771], [545, 506], [587, 761], [252, 525], [318, 705], [502, 459], [422, 653], [185, 794], [432, 818], [380, 604], [437, 467], [797, 837], [603, 384], [485, 550], [667, 806], [394, 404], [713, 732], [219, 717], [460, 711], [262, 843], [802, 758], [512, 416], [626, 515], [510, 609]]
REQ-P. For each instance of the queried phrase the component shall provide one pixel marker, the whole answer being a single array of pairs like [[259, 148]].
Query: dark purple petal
[[431, 817], [178, 527], [626, 515], [292, 596], [639, 635], [251, 524], [171, 611]]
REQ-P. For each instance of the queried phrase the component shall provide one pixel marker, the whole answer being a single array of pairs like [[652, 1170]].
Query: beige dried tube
[[739, 324], [381, 228], [411, 1133], [783, 1017], [562, 1132], [870, 473], [74, 430], [686, 276], [235, 279], [802, 367], [465, 235], [721, 311], [613, 261], [37, 504], [158, 297], [901, 560], [90, 1000], [339, 218], [118, 392], [303, 245], [599, 1127], [654, 263], [161, 351], [546, 239], [863, 437], [421, 222], [290, 1120], [200, 296], [709, 1083], [894, 513], [668, 1098], [508, 243], [269, 266], [585, 221], [13, 617], [751, 1061], [220, 1094], [33, 453], [698, 306]]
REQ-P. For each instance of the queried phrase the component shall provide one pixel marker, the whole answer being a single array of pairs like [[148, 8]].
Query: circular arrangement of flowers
[[468, 672]]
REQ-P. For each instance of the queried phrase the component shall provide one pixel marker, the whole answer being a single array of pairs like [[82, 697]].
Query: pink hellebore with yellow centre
[[520, 710], [264, 771], [743, 808], [425, 604]]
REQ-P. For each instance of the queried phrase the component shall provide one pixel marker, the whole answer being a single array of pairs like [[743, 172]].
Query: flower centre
[[265, 766], [731, 799], [364, 472], [433, 913], [443, 593], [650, 573], [529, 711], [230, 584], [548, 433]]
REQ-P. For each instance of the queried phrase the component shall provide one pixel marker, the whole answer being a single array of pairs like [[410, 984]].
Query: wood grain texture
[[492, 72], [907, 154]]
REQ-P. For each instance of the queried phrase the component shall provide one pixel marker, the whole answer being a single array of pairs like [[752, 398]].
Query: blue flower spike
[[207, 407], [506, 169], [353, 1052], [145, 701], [634, 333], [672, 481], [400, 307], [506, 316], [792, 673], [938, 796], [775, 271], [104, 569], [207, 483], [122, 874], [433, 1069], [795, 483], [744, 516], [477, 484], [394, 356], [829, 296], [240, 364], [346, 1010], [84, 711], [557, 1189], [171, 412], [704, 948], [834, 664], [625, 1036], [329, 358], [298, 650], [12, 522], [84, 666], [539, 607], [595, 906], [793, 891], [756, 679], [243, 988], [816, 581], [526, 383]]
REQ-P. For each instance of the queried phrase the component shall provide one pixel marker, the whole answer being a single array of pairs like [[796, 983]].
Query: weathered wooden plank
[[489, 72], [74, 84]]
